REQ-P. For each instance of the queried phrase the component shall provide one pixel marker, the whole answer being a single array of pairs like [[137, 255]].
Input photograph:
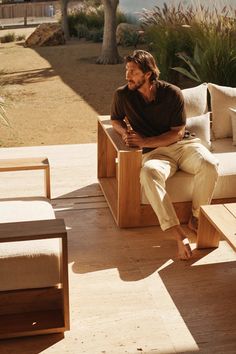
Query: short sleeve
[[178, 116], [117, 106]]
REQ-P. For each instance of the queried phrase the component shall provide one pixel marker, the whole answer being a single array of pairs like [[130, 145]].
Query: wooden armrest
[[118, 173], [114, 137], [32, 230]]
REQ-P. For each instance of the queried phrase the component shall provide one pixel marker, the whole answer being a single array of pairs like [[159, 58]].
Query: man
[[155, 111]]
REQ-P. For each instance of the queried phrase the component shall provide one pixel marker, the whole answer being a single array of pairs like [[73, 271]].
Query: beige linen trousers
[[162, 163]]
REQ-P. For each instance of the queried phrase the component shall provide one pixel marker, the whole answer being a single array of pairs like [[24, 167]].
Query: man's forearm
[[164, 139]]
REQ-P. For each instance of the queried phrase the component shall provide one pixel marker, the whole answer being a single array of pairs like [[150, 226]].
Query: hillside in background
[[136, 6]]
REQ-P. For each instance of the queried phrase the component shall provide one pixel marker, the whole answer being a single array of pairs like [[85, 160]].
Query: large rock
[[46, 34], [124, 28]]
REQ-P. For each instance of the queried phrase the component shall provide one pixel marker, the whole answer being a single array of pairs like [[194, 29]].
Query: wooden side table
[[217, 221], [31, 163]]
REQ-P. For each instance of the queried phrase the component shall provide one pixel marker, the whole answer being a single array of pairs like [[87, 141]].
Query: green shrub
[[9, 37], [197, 42], [130, 38], [96, 35], [89, 17], [82, 31], [165, 42]]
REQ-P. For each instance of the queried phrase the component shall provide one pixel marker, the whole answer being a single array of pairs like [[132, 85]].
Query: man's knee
[[149, 172], [211, 167]]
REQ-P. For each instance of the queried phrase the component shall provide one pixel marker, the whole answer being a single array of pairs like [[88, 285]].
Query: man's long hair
[[146, 63]]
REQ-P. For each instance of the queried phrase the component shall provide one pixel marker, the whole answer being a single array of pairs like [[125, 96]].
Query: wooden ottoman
[[33, 269]]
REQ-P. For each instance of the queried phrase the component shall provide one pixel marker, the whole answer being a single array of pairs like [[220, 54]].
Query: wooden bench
[[27, 164], [216, 221], [118, 174], [33, 311]]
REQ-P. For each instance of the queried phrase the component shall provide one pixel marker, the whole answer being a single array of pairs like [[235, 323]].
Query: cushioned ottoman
[[28, 264], [33, 269]]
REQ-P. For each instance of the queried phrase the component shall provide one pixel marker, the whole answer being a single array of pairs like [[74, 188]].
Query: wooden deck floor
[[128, 293]]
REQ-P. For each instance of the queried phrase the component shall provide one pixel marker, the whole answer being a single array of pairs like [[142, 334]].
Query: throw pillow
[[195, 100], [233, 121], [200, 128], [222, 98]]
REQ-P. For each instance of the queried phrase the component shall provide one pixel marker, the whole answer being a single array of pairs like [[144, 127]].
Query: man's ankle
[[193, 223]]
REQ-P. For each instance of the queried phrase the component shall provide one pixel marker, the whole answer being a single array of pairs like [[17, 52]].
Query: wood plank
[[31, 323], [129, 188], [33, 163], [27, 300], [109, 188], [222, 220], [232, 208], [207, 236], [32, 230]]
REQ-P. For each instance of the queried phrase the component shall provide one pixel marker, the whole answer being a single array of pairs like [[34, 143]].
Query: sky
[[135, 6]]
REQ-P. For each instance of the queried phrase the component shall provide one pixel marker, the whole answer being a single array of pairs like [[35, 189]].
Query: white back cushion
[[222, 98], [200, 127], [195, 100]]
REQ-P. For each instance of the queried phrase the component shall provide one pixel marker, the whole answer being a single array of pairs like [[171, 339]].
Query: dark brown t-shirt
[[154, 118]]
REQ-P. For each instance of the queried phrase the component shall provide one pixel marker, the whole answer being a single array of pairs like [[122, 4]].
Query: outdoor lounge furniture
[[34, 296], [27, 164], [217, 221], [119, 166]]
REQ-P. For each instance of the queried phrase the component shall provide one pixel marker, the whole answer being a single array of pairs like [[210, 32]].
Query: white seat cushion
[[28, 264], [180, 186], [25, 209]]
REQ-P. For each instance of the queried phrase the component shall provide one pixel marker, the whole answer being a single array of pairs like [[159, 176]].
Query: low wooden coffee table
[[216, 221]]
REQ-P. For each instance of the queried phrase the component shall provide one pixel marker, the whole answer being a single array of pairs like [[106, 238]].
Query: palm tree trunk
[[109, 53]]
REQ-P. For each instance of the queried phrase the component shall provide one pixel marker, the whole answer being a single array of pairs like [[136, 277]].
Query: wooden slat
[[32, 230], [129, 188], [27, 300], [31, 323], [109, 188], [232, 208], [33, 163]]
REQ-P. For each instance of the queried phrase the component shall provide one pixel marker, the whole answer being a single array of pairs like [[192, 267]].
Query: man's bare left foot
[[184, 249]]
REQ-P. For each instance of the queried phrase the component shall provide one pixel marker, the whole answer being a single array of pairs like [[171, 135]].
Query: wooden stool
[[26, 164]]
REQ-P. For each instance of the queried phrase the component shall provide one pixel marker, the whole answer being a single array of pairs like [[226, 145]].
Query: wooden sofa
[[118, 174]]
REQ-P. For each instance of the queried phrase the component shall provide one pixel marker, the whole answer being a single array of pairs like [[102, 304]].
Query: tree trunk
[[64, 19], [109, 53]]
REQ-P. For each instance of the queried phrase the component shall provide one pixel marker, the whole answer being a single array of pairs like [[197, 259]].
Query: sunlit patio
[[128, 292]]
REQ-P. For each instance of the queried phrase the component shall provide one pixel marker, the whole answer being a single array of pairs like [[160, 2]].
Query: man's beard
[[136, 86]]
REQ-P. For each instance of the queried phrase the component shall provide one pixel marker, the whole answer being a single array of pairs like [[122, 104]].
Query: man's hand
[[133, 139]]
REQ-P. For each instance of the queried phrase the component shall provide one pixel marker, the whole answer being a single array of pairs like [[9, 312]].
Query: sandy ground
[[54, 94]]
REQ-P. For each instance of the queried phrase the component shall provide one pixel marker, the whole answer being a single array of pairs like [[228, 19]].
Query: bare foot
[[184, 249]]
